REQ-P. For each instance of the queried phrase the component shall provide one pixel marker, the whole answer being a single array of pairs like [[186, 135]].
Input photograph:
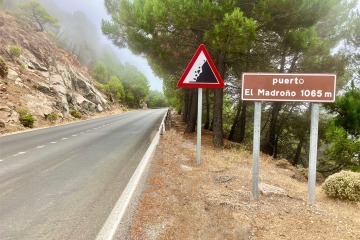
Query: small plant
[[343, 185], [52, 117], [75, 113], [25, 118], [22, 66], [15, 51], [22, 112], [3, 68], [51, 34]]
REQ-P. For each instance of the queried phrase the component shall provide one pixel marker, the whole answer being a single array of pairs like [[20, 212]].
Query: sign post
[[295, 87], [198, 128], [313, 151], [200, 73], [256, 151]]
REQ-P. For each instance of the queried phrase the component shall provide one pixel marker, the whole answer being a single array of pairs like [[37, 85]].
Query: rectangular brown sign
[[299, 87]]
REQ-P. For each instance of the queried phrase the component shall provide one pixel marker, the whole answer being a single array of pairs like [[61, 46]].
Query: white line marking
[[1, 160], [75, 135], [40, 146], [19, 153], [53, 142], [109, 228], [63, 139], [88, 130]]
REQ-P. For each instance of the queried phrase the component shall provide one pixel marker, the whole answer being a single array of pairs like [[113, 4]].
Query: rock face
[[44, 78]]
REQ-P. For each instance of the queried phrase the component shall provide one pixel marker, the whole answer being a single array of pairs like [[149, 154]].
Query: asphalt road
[[62, 182]]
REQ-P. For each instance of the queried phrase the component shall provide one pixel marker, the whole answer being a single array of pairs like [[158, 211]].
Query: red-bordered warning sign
[[201, 72]]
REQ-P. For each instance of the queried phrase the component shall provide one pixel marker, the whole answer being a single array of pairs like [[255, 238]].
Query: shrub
[[25, 118], [52, 117], [3, 68], [22, 112], [75, 113], [343, 185], [15, 51]]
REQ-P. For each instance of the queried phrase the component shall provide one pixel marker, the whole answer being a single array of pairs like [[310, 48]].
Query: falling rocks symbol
[[205, 75]]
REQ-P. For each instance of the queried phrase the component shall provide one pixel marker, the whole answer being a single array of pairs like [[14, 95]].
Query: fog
[[94, 11]]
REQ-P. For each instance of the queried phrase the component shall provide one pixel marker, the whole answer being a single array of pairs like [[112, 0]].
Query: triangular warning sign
[[201, 72]]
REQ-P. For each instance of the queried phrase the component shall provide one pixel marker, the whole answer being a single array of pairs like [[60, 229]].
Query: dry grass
[[214, 201]]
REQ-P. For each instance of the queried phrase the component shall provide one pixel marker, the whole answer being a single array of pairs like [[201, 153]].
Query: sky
[[95, 11]]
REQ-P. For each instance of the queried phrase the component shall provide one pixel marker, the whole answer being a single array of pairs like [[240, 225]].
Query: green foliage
[[241, 36], [342, 148], [100, 72], [137, 89], [115, 88], [100, 86], [34, 12], [343, 185], [75, 113], [347, 110], [15, 51], [157, 100], [343, 134], [52, 117], [22, 112], [25, 118], [23, 66], [51, 34]]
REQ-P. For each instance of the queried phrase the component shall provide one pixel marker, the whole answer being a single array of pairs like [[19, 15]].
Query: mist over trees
[[75, 32], [251, 36]]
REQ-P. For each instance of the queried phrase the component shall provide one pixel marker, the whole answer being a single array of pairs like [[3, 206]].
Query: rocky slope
[[44, 79]]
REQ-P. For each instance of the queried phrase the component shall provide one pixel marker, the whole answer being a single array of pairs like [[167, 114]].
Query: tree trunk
[[235, 123], [191, 121], [298, 152], [242, 123], [187, 101], [218, 134], [270, 140]]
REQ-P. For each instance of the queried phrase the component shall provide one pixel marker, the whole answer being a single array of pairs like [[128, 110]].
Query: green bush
[[75, 113], [15, 51], [52, 117], [22, 112], [343, 185], [25, 118]]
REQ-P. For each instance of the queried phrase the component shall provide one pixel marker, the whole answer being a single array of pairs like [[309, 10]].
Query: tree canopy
[[35, 13]]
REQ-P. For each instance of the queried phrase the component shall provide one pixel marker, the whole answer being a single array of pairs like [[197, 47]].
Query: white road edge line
[[40, 146], [19, 153], [109, 228]]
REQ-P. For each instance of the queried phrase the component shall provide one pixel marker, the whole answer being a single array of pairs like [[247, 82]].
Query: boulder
[[267, 189]]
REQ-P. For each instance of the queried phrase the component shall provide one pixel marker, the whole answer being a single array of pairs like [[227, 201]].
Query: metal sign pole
[[198, 140], [313, 151], [256, 151]]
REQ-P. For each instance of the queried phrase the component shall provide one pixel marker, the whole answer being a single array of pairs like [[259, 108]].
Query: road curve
[[62, 182]]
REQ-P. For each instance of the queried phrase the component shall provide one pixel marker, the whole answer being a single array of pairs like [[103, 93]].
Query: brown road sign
[[298, 87]]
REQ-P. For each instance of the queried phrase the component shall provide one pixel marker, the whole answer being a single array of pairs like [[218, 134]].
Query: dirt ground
[[214, 200]]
